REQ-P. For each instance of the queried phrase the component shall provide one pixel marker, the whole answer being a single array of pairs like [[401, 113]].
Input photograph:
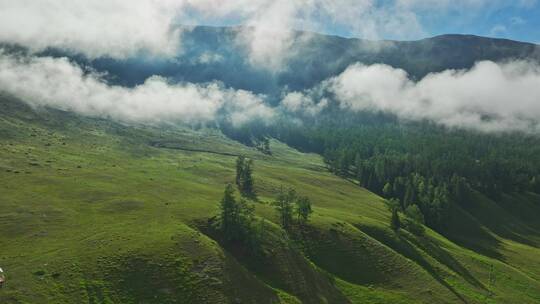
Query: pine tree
[[410, 195], [266, 146], [247, 177], [229, 213], [244, 175], [395, 222], [239, 170], [284, 206], [236, 217], [415, 214], [303, 209], [387, 190], [414, 221]]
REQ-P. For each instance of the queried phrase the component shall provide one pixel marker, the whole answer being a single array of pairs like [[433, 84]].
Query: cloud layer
[[61, 84], [489, 97]]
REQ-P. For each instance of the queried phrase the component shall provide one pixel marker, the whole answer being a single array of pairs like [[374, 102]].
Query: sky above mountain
[[402, 19], [119, 28], [516, 20]]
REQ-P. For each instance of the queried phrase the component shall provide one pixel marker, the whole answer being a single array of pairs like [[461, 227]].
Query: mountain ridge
[[304, 68]]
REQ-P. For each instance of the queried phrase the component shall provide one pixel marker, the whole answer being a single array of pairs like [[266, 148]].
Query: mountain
[[214, 53]]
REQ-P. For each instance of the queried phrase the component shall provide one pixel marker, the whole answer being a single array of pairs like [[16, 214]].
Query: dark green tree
[[265, 146], [247, 178], [244, 175], [415, 220], [236, 217], [229, 216], [284, 206], [303, 209], [395, 222], [414, 213], [240, 170], [387, 190]]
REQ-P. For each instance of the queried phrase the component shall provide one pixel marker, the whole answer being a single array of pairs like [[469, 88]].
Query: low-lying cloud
[[489, 97], [61, 84]]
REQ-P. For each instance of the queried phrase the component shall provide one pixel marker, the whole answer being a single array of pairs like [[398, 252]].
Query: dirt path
[[165, 145]]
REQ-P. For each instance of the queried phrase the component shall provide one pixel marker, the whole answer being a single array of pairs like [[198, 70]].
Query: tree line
[[416, 163]]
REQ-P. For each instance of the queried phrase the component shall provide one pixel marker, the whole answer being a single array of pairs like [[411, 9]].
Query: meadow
[[93, 211]]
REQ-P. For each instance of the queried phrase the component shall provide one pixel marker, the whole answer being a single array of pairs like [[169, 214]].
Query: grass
[[92, 212]]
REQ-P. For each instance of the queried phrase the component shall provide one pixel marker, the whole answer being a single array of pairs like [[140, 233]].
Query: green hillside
[[96, 212]]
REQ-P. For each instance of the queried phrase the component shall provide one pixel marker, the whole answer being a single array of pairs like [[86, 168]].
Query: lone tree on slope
[[284, 206], [303, 209], [236, 217], [244, 175]]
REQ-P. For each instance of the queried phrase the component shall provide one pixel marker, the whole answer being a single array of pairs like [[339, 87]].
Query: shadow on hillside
[[279, 264], [445, 258], [466, 231], [512, 216], [403, 245], [344, 256]]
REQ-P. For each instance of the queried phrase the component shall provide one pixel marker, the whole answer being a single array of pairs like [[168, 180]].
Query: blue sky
[[511, 22], [510, 19], [390, 19]]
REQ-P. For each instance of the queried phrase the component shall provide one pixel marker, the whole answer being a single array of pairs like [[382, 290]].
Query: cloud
[[209, 58], [498, 30], [59, 83], [114, 28], [123, 28], [297, 102], [490, 97]]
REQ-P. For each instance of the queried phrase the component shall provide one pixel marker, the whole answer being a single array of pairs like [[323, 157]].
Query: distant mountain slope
[[214, 53]]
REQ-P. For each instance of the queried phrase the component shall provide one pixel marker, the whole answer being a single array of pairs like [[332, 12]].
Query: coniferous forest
[[417, 163]]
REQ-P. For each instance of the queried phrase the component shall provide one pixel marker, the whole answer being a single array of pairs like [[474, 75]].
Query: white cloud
[[122, 28], [489, 97], [297, 102], [58, 83], [115, 28], [498, 30], [209, 58]]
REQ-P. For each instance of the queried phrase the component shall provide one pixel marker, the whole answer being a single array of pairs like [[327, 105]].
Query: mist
[[490, 97], [121, 29], [61, 84]]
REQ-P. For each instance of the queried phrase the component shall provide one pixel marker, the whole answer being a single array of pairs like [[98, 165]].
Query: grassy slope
[[90, 212]]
